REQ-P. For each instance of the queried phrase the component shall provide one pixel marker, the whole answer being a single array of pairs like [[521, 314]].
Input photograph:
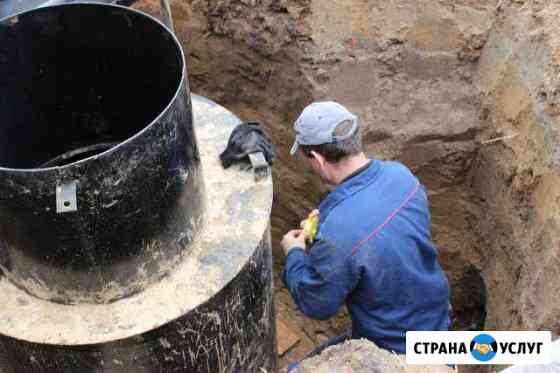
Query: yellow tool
[[309, 227]]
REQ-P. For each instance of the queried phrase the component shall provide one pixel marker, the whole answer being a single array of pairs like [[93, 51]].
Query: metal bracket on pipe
[[66, 199], [260, 165]]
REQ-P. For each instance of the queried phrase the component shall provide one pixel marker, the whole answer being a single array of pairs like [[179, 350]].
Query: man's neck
[[348, 166]]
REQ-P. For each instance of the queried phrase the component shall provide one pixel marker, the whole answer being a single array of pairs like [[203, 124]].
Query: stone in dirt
[[362, 356], [285, 336]]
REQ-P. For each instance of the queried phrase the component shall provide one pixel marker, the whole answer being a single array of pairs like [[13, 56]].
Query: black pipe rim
[[129, 140]]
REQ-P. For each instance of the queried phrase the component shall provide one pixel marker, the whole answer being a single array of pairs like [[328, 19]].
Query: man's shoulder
[[357, 214], [395, 169], [392, 181]]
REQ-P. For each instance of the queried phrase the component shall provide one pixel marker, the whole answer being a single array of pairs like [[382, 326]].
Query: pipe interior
[[79, 76]]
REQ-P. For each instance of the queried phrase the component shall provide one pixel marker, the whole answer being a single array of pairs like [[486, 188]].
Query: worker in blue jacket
[[373, 248]]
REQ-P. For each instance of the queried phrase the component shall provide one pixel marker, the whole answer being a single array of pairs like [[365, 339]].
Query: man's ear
[[319, 158]]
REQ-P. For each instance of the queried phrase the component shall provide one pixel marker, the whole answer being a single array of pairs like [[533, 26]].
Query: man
[[373, 248]]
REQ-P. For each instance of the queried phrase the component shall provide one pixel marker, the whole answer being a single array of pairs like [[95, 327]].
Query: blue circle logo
[[483, 347]]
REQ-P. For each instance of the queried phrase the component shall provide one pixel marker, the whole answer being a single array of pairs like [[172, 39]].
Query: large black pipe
[[100, 187], [102, 203]]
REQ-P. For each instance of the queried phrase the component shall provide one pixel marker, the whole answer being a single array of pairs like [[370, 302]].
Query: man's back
[[373, 250]]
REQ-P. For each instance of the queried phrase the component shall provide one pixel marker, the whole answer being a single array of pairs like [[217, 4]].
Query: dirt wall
[[433, 81], [517, 179]]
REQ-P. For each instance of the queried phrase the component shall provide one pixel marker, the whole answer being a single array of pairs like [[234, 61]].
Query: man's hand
[[292, 239]]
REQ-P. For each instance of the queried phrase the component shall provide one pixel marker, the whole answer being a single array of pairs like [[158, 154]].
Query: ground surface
[[438, 84], [362, 356]]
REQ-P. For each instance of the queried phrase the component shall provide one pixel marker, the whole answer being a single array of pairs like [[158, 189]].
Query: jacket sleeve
[[319, 280]]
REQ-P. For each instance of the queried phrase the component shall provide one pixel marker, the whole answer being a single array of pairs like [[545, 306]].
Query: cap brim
[[294, 149]]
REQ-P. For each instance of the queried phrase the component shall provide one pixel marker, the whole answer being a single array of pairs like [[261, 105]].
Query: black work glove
[[247, 138]]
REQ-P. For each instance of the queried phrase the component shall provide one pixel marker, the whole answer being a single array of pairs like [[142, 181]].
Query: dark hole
[[66, 203], [78, 75], [469, 301]]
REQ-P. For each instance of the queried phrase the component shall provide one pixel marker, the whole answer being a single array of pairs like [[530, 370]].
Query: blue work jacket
[[373, 250]]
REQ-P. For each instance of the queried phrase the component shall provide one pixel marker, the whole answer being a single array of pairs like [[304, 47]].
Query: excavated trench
[[462, 92]]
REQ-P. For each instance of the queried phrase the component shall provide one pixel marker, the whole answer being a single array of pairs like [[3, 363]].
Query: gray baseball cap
[[317, 123]]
